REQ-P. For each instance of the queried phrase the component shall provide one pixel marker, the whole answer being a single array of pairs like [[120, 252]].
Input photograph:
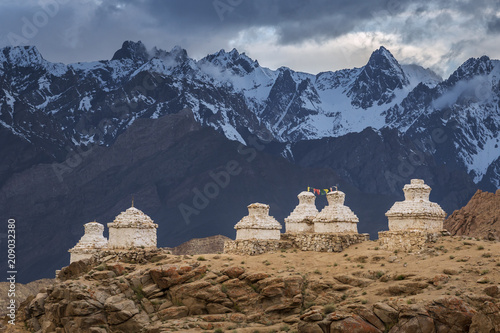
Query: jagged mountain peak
[[177, 53], [470, 68], [135, 51], [22, 56], [378, 80], [232, 59], [384, 60]]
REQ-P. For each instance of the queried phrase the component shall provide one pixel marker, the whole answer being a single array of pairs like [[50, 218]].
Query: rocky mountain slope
[[22, 291], [79, 140], [59, 107], [167, 165], [450, 287], [479, 218]]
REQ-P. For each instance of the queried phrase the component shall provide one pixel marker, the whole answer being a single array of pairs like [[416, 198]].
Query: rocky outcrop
[[154, 291], [479, 218]]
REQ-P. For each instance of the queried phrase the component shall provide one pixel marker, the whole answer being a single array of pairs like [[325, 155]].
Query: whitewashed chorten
[[132, 228], [302, 217], [335, 217], [416, 212], [91, 242], [258, 224]]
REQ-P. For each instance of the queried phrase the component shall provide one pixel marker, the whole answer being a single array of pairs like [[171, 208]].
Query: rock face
[[91, 242], [479, 218], [302, 217], [336, 217], [132, 228], [258, 224], [416, 212], [153, 291]]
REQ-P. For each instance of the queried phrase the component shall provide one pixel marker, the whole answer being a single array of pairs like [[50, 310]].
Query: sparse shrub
[[201, 258], [101, 267], [266, 262], [329, 308], [452, 257], [345, 254], [486, 255], [364, 301], [138, 292], [400, 277], [243, 262], [223, 288], [480, 247], [376, 248], [484, 271], [364, 293], [218, 330], [335, 264], [317, 272], [344, 297], [285, 328]]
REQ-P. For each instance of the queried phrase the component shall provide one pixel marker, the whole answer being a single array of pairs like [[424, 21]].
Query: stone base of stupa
[[319, 242], [408, 240], [80, 254], [299, 226], [335, 227]]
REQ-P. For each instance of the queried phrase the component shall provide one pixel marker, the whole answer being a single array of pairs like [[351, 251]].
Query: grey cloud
[[494, 26], [85, 30]]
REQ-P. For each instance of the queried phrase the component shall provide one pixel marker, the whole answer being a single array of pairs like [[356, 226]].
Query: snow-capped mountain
[[56, 106]]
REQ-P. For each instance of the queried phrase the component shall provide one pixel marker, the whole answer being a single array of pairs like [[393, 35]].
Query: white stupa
[[132, 228], [336, 217], [258, 224], [416, 212], [302, 217], [91, 242]]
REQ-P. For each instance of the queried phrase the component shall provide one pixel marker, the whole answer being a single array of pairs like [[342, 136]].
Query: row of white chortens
[[133, 228]]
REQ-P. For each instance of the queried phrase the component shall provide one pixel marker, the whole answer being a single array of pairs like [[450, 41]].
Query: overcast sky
[[306, 35]]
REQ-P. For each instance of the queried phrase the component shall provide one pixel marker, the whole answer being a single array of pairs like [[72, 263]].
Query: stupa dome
[[416, 211], [301, 218], [258, 224], [336, 217]]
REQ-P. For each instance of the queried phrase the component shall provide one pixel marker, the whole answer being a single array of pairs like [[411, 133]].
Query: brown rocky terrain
[[22, 291], [452, 286], [479, 218]]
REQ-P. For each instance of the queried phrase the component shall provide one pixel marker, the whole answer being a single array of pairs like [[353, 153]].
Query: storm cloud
[[310, 35]]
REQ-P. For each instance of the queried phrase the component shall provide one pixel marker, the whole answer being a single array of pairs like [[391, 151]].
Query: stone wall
[[124, 237], [334, 227], [326, 242], [407, 240], [263, 234], [421, 222]]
